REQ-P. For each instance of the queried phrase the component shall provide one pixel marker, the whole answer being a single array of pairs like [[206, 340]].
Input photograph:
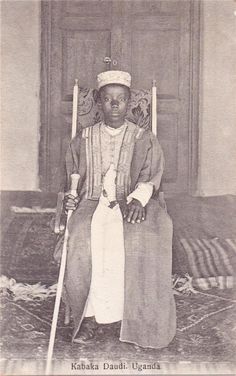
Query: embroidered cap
[[113, 77]]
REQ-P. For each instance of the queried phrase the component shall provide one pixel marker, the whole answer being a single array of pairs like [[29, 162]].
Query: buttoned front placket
[[111, 144]]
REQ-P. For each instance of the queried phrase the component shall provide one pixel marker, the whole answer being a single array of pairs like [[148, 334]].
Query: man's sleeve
[[151, 173], [142, 193]]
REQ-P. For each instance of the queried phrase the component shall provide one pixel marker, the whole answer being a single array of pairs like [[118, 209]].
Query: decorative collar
[[114, 131]]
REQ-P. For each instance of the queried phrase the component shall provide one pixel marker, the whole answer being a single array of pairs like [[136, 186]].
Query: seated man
[[120, 238]]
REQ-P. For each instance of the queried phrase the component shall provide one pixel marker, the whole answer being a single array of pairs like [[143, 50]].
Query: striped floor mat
[[211, 262]]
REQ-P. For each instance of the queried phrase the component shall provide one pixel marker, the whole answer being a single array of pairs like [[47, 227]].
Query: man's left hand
[[135, 213]]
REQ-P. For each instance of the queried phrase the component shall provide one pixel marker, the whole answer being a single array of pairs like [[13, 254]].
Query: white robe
[[106, 297]]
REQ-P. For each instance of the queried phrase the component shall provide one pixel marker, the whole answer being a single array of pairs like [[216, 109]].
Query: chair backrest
[[88, 114], [139, 110]]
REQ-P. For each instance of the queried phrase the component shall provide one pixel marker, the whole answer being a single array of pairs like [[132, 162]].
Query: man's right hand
[[70, 202]]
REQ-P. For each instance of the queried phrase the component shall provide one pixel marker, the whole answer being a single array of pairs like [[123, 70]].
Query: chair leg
[[67, 307], [67, 314]]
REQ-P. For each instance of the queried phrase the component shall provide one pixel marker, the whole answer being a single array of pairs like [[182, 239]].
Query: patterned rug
[[28, 246], [205, 321], [205, 333]]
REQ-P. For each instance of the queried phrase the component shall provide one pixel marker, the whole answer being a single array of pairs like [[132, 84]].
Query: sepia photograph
[[118, 187]]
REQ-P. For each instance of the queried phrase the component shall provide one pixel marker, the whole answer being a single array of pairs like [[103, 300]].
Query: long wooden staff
[[73, 191]]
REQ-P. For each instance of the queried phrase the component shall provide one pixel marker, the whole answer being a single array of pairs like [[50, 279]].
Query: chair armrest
[[59, 212]]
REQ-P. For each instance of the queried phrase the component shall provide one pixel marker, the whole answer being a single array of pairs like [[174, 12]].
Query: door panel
[[151, 40], [159, 49], [82, 55], [145, 48]]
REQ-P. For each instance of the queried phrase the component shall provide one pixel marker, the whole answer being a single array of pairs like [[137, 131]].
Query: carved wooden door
[[151, 40]]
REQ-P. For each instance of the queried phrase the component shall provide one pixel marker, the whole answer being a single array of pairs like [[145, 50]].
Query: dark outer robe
[[149, 317]]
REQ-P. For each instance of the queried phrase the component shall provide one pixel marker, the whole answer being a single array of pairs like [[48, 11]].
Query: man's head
[[113, 96]]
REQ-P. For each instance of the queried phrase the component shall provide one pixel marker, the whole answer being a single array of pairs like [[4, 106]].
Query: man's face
[[114, 101]]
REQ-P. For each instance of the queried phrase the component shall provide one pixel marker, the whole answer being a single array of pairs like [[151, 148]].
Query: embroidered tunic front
[[111, 141]]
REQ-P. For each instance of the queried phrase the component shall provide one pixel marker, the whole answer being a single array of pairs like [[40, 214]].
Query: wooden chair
[[141, 111]]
